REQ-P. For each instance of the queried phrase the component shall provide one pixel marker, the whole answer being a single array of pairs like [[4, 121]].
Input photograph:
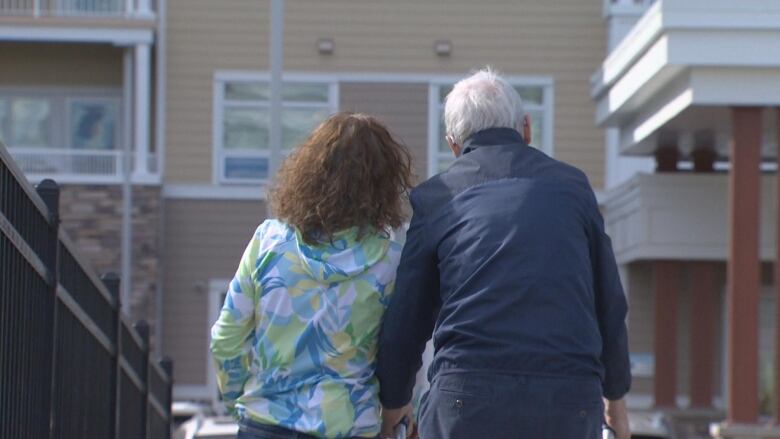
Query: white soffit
[[728, 50]]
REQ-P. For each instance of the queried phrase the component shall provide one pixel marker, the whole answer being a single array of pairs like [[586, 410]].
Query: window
[[242, 149], [537, 102]]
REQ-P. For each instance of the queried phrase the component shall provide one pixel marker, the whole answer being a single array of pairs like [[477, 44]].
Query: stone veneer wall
[[92, 217]]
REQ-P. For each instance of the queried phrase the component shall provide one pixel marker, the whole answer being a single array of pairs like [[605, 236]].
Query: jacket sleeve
[[234, 326], [611, 310], [410, 316]]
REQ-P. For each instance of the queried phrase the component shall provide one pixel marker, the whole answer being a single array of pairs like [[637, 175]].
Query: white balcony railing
[[620, 7], [621, 16], [98, 166], [74, 8]]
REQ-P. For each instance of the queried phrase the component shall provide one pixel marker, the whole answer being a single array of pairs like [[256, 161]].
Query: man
[[508, 265]]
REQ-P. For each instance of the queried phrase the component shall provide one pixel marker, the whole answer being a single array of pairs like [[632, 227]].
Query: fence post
[[49, 191], [112, 282], [167, 364], [143, 330]]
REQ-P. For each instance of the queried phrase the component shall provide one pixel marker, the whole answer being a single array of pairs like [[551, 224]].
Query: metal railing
[[68, 161], [70, 365], [72, 8]]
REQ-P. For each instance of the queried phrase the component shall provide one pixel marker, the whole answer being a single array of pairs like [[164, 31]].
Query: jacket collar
[[491, 137]]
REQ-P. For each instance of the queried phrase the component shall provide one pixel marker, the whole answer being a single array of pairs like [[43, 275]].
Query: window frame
[[221, 154], [436, 113]]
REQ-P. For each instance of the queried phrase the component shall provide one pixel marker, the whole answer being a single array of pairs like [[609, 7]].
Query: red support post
[[777, 276], [666, 282], [744, 270], [703, 318]]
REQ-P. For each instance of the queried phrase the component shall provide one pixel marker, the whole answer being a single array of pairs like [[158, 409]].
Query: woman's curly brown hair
[[350, 172]]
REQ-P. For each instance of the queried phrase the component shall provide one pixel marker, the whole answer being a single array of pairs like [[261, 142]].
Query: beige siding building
[[383, 61], [184, 85]]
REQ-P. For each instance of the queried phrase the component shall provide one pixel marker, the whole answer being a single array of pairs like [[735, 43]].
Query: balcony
[[679, 216], [79, 135], [76, 8]]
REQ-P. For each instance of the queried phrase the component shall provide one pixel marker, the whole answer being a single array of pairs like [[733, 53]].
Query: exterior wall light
[[442, 48], [326, 46]]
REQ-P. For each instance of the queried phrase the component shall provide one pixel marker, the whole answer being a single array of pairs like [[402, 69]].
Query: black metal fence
[[71, 366]]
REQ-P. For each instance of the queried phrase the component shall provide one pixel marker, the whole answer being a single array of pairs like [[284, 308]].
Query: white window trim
[[218, 151], [370, 77], [435, 113]]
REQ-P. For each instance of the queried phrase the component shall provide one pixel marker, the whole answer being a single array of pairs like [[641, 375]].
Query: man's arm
[[611, 309], [616, 417], [410, 316], [230, 332]]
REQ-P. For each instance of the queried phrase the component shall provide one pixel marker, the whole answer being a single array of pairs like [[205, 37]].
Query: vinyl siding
[[561, 39], [37, 64], [403, 108], [204, 36], [204, 240]]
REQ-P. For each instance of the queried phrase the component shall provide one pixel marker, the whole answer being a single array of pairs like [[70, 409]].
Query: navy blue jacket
[[507, 263]]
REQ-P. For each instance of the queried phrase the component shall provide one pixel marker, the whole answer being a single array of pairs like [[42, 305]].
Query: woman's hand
[[616, 416], [392, 417]]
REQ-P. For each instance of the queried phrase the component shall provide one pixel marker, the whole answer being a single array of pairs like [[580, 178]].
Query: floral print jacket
[[295, 344]]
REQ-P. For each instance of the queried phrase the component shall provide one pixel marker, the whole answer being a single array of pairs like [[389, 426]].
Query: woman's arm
[[236, 322]]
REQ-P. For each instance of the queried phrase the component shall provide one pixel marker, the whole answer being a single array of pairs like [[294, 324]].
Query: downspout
[[276, 65], [160, 113], [127, 184]]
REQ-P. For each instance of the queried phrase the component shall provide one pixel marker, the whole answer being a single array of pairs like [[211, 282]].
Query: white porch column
[[141, 107]]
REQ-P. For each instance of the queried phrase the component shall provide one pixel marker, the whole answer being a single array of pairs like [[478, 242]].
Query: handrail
[[7, 159]]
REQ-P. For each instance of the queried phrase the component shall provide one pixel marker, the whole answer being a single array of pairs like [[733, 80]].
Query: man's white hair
[[481, 101]]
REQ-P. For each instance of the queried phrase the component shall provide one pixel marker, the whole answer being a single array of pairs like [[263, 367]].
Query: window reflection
[[30, 122], [93, 125], [246, 128]]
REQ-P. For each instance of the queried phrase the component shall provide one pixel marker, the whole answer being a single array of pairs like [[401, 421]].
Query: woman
[[295, 344]]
